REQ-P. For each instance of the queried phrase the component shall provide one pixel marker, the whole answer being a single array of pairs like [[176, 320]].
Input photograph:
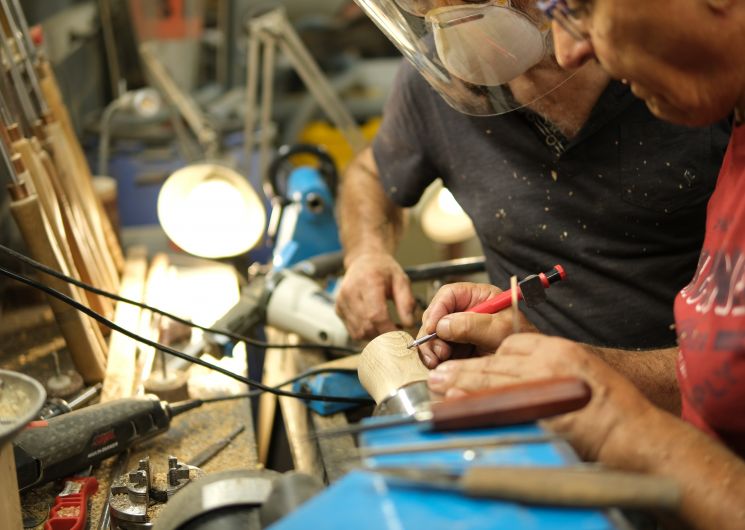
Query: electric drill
[[71, 442]]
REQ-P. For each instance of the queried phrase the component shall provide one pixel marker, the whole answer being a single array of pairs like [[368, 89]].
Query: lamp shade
[[442, 218], [211, 211]]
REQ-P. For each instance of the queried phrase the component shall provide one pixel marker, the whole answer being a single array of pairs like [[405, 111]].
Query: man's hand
[[522, 357], [368, 283], [467, 334]]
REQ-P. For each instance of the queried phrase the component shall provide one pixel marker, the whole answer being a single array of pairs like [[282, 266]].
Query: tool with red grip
[[532, 290], [70, 510]]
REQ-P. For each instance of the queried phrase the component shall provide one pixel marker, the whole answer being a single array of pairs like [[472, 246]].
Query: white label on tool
[[242, 490], [71, 488]]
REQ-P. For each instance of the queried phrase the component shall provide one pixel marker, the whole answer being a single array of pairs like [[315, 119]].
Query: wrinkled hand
[[464, 334], [522, 357], [368, 283]]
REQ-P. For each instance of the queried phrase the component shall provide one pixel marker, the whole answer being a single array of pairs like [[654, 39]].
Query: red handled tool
[[70, 510], [531, 289]]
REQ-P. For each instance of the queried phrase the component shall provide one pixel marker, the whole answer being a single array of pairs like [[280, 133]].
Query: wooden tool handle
[[512, 404], [386, 364], [53, 96], [83, 340], [589, 488], [83, 255]]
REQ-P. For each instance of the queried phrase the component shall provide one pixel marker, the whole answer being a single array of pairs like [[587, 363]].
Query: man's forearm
[[651, 371], [711, 478], [369, 220]]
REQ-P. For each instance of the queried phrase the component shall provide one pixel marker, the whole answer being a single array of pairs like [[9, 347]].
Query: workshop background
[[155, 92]]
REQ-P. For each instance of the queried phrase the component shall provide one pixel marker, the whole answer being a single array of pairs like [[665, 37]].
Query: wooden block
[[386, 364]]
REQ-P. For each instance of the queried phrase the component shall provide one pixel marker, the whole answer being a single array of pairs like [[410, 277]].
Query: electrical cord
[[290, 381], [248, 340], [162, 347]]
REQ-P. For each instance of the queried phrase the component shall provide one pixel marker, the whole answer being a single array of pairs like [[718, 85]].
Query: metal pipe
[[22, 46], [20, 17], [25, 101]]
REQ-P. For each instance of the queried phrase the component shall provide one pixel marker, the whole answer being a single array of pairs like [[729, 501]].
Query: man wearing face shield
[[688, 69], [551, 166]]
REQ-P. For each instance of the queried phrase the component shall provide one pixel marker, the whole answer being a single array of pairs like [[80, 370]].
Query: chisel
[[585, 487], [505, 405], [457, 444]]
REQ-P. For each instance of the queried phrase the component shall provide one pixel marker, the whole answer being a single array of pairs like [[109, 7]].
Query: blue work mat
[[363, 500]]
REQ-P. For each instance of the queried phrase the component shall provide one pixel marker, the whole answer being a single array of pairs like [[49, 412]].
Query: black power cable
[[308, 373], [181, 355], [248, 340]]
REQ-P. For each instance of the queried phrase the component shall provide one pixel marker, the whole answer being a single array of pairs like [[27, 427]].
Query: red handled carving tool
[[531, 289]]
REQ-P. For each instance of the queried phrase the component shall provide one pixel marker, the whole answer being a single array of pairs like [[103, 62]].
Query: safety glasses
[[569, 17]]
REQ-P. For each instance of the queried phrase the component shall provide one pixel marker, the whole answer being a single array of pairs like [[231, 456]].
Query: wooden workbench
[[27, 339], [328, 459]]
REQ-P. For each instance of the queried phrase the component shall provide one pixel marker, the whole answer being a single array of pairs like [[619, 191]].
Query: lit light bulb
[[211, 211]]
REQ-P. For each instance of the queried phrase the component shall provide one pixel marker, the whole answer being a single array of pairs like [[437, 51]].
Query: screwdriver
[[531, 289], [575, 486], [507, 405]]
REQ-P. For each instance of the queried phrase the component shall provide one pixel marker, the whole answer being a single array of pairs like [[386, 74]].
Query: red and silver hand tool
[[532, 290], [70, 510]]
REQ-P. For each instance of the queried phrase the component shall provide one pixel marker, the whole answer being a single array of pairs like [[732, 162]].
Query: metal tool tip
[[421, 340]]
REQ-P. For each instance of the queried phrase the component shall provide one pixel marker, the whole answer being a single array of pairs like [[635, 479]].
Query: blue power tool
[[302, 223]]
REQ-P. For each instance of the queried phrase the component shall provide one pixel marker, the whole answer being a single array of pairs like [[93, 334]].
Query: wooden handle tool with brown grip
[[53, 97], [577, 487], [83, 339], [518, 403]]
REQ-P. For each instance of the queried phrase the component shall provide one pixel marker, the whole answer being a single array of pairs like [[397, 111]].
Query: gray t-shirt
[[621, 206]]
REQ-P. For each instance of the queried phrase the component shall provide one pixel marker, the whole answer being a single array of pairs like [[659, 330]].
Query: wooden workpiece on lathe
[[386, 364]]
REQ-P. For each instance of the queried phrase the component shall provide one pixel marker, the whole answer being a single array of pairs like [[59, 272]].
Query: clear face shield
[[471, 51]]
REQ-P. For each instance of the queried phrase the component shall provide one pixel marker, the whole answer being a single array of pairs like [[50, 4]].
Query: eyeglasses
[[568, 17]]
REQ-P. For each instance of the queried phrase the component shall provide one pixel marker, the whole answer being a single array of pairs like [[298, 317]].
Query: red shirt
[[710, 312]]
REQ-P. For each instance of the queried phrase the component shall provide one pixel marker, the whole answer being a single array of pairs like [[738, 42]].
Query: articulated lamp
[[211, 211]]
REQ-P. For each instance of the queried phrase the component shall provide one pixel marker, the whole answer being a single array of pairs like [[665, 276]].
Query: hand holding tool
[[505, 405], [575, 487], [74, 441], [531, 289]]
